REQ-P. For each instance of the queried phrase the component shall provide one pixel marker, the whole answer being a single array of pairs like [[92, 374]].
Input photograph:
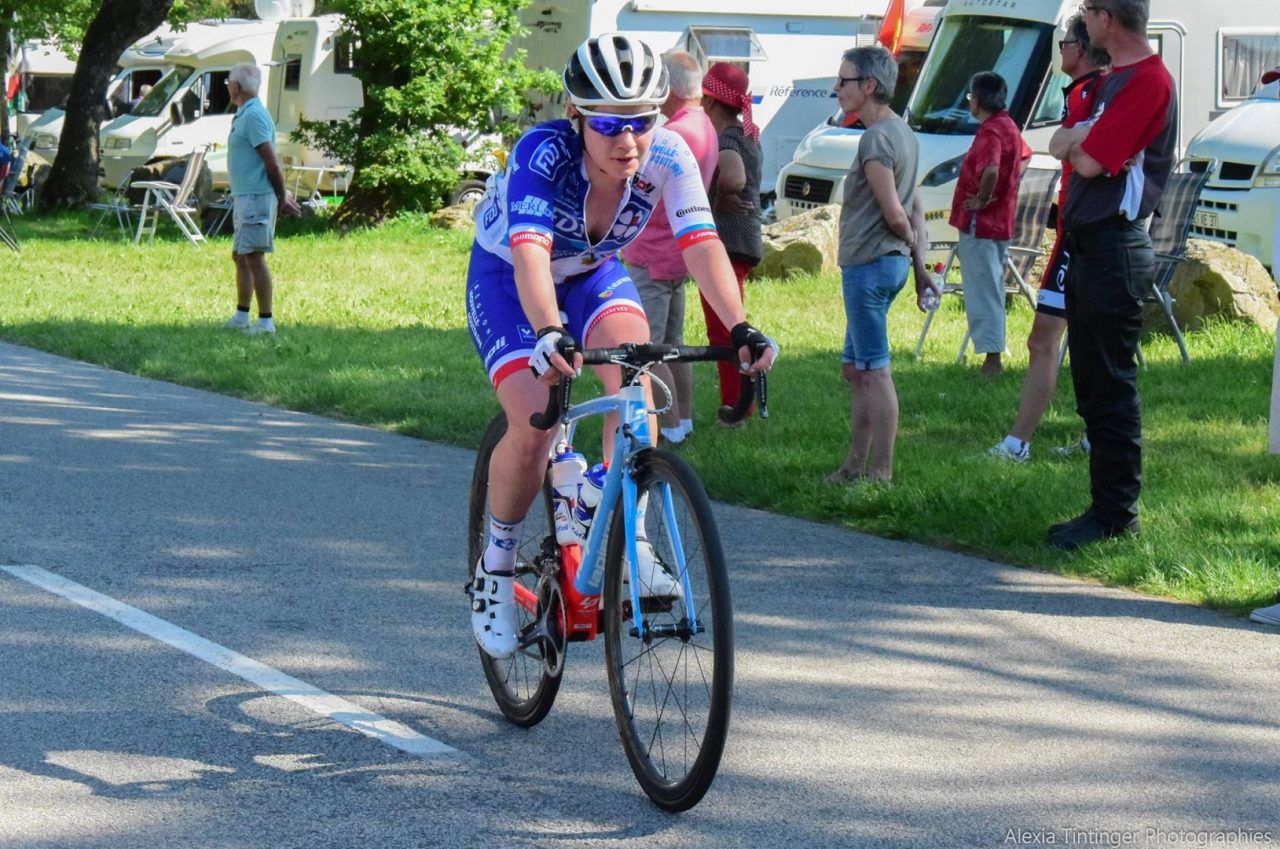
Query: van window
[[46, 91], [1020, 51], [344, 54], [1053, 101], [292, 73], [1245, 56], [154, 103], [909, 64]]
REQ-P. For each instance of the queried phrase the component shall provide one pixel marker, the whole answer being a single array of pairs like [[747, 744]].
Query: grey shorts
[[663, 302], [254, 220]]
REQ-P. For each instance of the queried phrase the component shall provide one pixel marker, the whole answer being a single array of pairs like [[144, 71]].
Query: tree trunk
[[73, 179]]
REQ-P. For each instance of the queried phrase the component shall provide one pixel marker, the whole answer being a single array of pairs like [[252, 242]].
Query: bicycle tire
[[673, 730], [521, 685]]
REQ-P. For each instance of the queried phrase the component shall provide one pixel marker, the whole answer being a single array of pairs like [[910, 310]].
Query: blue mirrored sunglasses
[[611, 124]]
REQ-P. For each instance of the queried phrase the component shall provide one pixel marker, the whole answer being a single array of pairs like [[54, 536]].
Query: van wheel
[[467, 193]]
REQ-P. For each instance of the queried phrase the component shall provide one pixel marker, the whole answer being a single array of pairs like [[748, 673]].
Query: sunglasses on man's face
[[611, 124]]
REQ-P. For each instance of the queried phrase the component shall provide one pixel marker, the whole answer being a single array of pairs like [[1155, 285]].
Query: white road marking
[[272, 680]]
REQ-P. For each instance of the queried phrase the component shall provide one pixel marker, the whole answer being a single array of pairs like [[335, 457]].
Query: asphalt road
[[887, 694]]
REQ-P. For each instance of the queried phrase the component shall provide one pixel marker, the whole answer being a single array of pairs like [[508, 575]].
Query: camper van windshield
[[153, 104], [1019, 51]]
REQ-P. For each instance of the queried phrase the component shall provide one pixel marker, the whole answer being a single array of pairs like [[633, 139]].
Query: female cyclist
[[544, 273]]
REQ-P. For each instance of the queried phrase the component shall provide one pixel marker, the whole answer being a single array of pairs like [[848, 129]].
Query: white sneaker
[[1267, 615], [239, 321], [1074, 450], [260, 326], [494, 612], [1004, 452], [655, 580]]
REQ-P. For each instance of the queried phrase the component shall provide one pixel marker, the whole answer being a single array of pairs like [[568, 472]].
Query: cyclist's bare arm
[[537, 293], [709, 266]]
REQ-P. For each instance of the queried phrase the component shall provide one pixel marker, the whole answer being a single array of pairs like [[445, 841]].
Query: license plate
[[1207, 220]]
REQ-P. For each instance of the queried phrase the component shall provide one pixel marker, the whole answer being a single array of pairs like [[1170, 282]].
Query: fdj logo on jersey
[[549, 158]]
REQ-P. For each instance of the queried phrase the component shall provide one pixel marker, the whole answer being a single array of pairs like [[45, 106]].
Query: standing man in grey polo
[[258, 194]]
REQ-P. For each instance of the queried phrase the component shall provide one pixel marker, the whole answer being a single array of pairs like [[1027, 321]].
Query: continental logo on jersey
[[690, 210], [694, 235], [526, 237]]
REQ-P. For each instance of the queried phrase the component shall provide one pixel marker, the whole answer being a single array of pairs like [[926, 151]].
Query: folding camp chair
[[1169, 228], [218, 211], [11, 200], [174, 199], [1036, 193], [117, 204]]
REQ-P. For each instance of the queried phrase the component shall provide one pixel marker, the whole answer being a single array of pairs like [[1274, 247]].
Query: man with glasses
[[1121, 159], [1084, 63]]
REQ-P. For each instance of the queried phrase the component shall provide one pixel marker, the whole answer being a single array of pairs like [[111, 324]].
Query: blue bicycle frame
[[630, 438]]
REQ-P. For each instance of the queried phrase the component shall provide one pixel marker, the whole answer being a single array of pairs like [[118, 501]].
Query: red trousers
[[718, 334]]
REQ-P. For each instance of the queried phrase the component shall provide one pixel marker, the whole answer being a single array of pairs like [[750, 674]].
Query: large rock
[[807, 243], [458, 217], [1215, 280]]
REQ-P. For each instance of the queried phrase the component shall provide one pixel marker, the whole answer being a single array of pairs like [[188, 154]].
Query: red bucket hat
[[728, 84]]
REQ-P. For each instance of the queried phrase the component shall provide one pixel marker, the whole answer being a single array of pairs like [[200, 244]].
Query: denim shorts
[[869, 290], [253, 218]]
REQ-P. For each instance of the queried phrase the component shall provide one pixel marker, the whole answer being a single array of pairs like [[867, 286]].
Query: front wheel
[[522, 685], [671, 680]]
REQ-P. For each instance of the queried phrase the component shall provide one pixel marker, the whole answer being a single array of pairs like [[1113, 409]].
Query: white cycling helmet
[[615, 69]]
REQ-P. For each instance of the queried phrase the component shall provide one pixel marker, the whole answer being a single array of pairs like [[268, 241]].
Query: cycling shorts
[[503, 336], [1053, 284]]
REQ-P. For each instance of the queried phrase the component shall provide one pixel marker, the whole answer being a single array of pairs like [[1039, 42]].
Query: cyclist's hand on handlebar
[[555, 355], [756, 352]]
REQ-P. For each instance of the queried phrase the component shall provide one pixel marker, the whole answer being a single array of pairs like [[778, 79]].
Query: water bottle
[[588, 497], [567, 468], [929, 300]]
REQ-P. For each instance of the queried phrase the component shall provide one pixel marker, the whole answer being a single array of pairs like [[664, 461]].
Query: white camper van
[[1018, 40], [140, 65], [39, 79], [1241, 151], [786, 48], [822, 158], [190, 105]]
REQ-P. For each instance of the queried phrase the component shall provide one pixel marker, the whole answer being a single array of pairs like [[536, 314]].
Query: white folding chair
[[174, 199], [117, 204]]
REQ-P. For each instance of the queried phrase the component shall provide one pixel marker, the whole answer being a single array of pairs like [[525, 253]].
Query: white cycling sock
[[686, 425], [1015, 444], [500, 555]]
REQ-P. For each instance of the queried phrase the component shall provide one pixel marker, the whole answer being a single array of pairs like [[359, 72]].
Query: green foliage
[[430, 69]]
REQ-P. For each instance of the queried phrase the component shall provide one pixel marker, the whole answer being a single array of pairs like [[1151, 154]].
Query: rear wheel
[[671, 682], [522, 685]]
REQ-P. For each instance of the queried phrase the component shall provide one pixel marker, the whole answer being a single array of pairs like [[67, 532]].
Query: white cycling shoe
[[494, 613], [655, 580]]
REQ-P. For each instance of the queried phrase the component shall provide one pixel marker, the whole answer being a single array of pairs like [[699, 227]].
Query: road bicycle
[[669, 659]]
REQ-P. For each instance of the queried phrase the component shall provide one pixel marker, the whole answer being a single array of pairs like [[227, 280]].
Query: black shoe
[[1087, 528]]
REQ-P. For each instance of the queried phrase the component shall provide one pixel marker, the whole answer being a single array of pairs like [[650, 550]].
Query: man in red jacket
[[1121, 159]]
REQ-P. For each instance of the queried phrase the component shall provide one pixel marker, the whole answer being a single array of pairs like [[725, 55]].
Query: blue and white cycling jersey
[[541, 197]]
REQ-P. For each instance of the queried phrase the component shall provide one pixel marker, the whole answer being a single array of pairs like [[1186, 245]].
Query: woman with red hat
[[735, 190]]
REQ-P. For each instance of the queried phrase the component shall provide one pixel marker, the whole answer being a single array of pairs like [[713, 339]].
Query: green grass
[[373, 330]]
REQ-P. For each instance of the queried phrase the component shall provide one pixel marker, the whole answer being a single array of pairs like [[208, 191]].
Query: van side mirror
[[175, 114]]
